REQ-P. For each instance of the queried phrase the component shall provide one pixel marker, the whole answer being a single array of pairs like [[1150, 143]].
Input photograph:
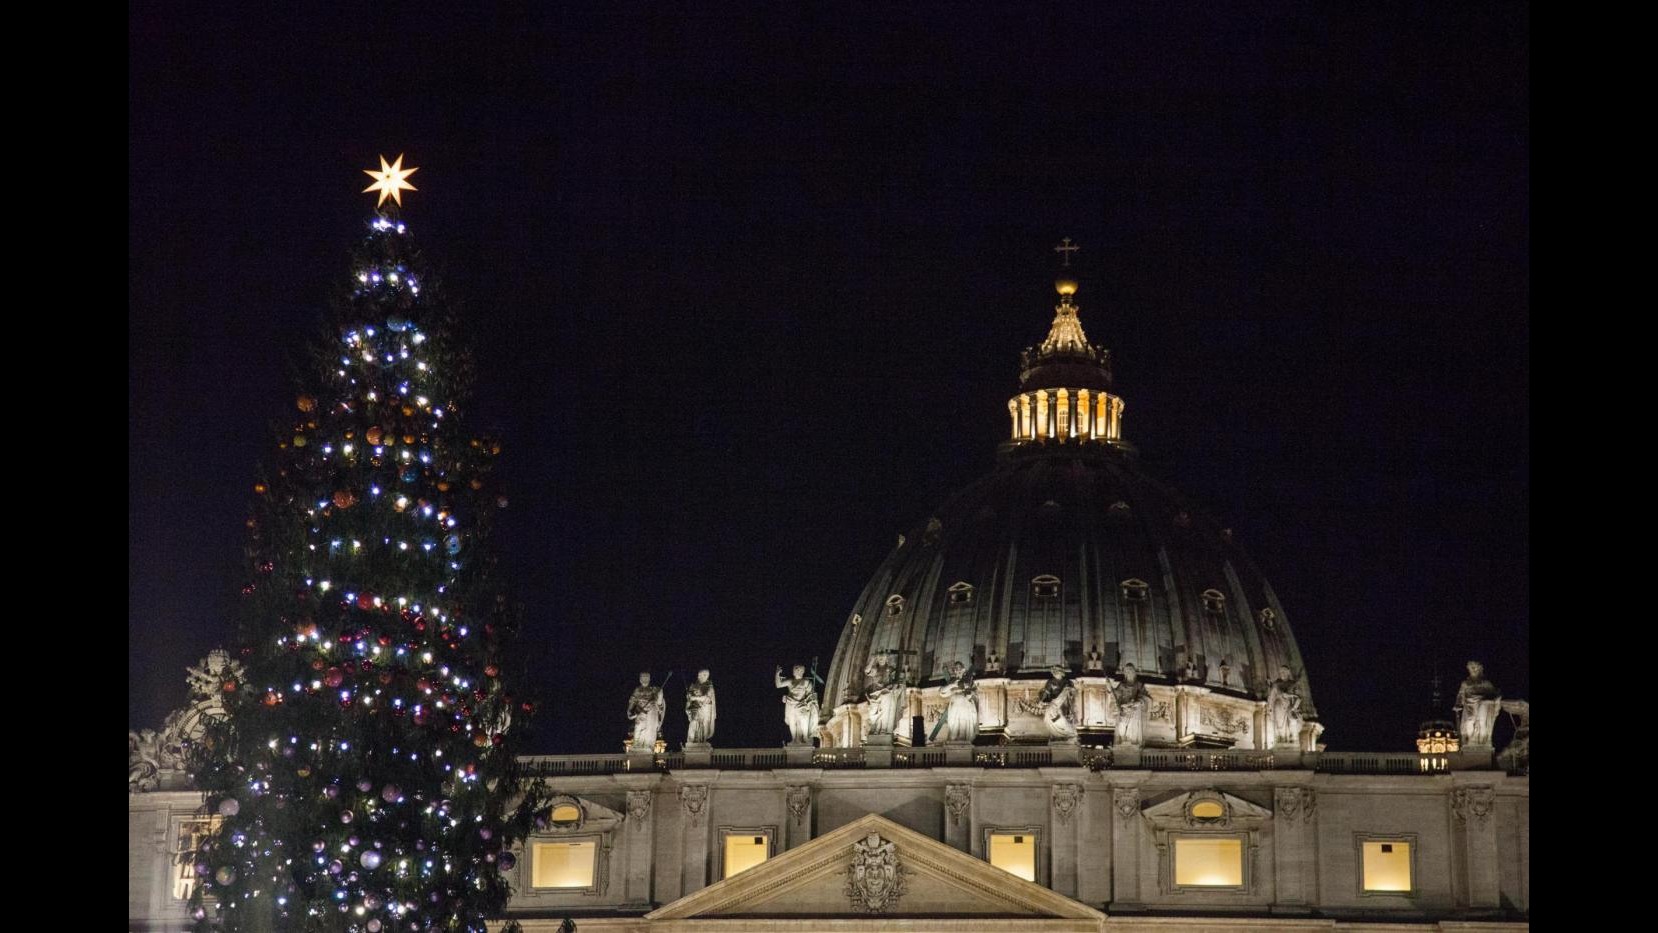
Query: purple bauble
[[370, 859]]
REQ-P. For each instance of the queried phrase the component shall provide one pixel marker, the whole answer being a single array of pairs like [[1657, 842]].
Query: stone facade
[[1104, 844]]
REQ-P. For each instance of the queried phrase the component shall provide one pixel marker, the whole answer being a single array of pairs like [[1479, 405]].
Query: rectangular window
[[1014, 853], [1386, 865], [1208, 861], [744, 850], [564, 865], [191, 833]]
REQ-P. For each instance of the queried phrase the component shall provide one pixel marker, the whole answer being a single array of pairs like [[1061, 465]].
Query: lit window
[[1207, 810], [565, 815], [567, 865], [1386, 865], [1208, 861], [745, 849], [191, 833], [1014, 853]]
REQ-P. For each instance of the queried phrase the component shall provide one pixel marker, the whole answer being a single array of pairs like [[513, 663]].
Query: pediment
[[821, 879], [1188, 810]]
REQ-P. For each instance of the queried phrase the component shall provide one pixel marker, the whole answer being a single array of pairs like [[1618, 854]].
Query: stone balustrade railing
[[1012, 756]]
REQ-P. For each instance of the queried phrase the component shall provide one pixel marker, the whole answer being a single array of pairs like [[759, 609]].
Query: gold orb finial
[[1065, 285], [390, 181]]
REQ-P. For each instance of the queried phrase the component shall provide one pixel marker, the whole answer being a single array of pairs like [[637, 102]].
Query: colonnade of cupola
[[1063, 415]]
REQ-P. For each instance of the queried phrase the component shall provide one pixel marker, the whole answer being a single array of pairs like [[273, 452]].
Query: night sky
[[748, 293]]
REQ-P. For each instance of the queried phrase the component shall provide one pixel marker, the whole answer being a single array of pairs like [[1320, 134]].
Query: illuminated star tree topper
[[390, 180]]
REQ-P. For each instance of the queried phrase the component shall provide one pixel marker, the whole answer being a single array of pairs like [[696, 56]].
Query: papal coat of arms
[[874, 880]]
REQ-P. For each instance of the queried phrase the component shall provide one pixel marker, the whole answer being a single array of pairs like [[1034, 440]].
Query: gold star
[[389, 180]]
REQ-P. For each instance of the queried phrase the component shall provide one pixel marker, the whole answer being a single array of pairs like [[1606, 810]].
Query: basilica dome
[[1069, 555]]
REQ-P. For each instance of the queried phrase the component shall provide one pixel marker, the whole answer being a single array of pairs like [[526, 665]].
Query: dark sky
[[748, 291]]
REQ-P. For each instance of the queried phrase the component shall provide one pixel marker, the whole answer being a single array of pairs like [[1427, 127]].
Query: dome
[[1069, 554]]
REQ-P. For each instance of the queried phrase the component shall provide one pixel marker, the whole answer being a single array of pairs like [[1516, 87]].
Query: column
[[1064, 818], [693, 826], [641, 841], [1126, 842], [1295, 849], [800, 800], [1474, 807], [958, 817]]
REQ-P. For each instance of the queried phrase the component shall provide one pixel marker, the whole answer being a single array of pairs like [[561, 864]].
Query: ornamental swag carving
[[800, 799], [639, 806], [956, 799], [694, 797], [1066, 798], [1295, 803], [1127, 801], [1472, 804]]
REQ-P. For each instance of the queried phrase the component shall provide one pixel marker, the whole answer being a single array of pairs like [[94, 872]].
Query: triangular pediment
[[822, 879]]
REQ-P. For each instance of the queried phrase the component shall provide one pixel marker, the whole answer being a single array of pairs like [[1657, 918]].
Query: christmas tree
[[364, 772]]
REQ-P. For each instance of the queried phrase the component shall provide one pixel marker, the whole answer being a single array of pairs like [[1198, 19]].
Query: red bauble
[[334, 677], [498, 739], [491, 670], [385, 677], [365, 601], [230, 686], [344, 498], [316, 665]]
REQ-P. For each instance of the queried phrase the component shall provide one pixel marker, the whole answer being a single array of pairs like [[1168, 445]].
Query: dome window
[[1135, 591], [1119, 509], [1269, 619], [961, 592], [1214, 601], [1045, 587], [895, 605]]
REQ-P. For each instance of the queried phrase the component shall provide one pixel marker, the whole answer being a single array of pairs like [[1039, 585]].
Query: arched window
[[1045, 586], [1214, 602], [895, 605], [960, 592], [1135, 591]]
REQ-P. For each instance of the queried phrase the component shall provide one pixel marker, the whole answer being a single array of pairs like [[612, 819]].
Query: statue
[[1096, 661], [155, 758], [960, 721], [1055, 705], [1132, 701], [699, 710], [208, 678], [1283, 710], [143, 761], [645, 708], [799, 704], [885, 695], [1477, 704]]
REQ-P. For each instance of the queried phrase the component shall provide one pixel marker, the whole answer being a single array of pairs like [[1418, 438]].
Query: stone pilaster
[[958, 816], [693, 804], [1126, 835], [641, 841], [1065, 819], [1295, 855], [1474, 808], [798, 801]]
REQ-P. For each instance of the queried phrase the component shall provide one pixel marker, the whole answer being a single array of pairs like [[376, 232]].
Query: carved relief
[[694, 797], [1160, 712], [1066, 798], [875, 879], [639, 806], [1221, 722], [1473, 804], [800, 799], [1127, 801], [1295, 803], [956, 799]]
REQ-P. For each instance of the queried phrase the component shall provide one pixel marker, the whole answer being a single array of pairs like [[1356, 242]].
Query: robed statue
[[884, 692], [1284, 710], [646, 709], [1132, 701], [961, 715], [699, 710], [1477, 704], [799, 704], [1056, 705]]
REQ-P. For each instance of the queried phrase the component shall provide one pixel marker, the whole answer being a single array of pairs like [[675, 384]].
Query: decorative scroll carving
[[875, 879], [956, 799], [800, 800], [1160, 712], [694, 798], [1066, 797], [1473, 804]]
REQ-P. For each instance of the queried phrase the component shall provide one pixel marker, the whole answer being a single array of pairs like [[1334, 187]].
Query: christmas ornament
[[391, 181], [370, 859], [229, 807]]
